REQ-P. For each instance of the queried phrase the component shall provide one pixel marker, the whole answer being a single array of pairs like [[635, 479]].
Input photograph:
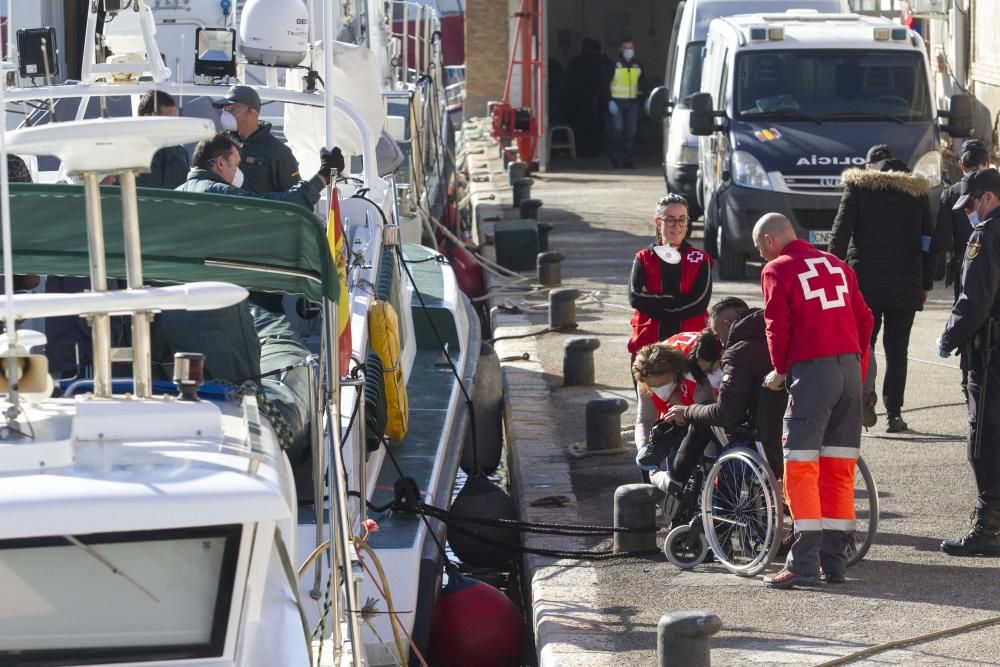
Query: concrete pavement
[[606, 613]]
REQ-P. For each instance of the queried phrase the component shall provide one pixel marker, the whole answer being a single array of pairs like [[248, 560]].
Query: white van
[[788, 101], [683, 78]]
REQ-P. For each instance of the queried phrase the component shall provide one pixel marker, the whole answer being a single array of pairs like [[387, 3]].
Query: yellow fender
[[383, 332]]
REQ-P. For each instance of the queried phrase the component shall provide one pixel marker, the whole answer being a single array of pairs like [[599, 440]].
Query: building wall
[[984, 70], [487, 52]]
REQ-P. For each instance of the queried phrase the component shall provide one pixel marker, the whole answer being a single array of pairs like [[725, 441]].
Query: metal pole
[[142, 364], [406, 43], [341, 531], [100, 324], [8, 251]]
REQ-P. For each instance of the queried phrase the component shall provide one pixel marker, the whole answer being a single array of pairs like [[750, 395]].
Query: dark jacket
[[169, 169], [303, 193], [268, 165], [980, 298], [878, 230], [745, 363], [952, 231]]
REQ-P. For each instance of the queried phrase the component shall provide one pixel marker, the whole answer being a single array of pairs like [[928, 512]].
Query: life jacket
[[645, 329]]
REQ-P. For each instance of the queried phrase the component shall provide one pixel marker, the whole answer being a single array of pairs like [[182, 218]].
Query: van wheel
[[732, 264], [711, 235]]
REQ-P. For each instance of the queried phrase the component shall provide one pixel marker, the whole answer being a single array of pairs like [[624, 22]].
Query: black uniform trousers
[[984, 416], [896, 343]]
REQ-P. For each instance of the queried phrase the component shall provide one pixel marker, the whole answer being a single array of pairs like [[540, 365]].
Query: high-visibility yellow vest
[[625, 81]]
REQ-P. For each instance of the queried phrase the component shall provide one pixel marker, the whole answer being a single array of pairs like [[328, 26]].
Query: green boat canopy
[[186, 237]]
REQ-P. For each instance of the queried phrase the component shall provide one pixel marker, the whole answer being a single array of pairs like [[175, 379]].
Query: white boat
[[182, 523]]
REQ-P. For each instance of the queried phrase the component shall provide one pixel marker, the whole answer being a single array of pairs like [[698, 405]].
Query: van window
[[691, 75], [832, 85]]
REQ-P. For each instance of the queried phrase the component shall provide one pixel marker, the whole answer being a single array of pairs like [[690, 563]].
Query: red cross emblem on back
[[824, 281]]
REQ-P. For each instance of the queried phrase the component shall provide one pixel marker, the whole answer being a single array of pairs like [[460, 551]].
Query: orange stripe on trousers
[[836, 488], [802, 489]]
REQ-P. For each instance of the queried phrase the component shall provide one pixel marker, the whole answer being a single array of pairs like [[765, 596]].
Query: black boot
[[982, 540]]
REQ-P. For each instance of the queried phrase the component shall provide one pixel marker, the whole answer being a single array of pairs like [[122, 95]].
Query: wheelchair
[[733, 506]]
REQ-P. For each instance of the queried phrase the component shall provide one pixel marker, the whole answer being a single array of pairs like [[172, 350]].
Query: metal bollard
[[543, 235], [522, 190], [549, 268], [562, 308], [682, 638], [603, 423], [578, 361], [635, 508], [529, 208], [516, 170]]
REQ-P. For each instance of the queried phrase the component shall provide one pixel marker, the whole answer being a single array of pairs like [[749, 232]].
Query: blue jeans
[[624, 120]]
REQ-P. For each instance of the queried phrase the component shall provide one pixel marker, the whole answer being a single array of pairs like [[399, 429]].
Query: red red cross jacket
[[658, 314], [813, 307]]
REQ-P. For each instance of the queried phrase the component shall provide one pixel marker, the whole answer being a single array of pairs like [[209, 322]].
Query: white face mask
[[715, 378], [238, 178], [973, 218], [628, 54], [667, 253], [664, 392], [228, 121]]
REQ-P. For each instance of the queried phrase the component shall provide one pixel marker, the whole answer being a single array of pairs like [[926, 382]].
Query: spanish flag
[[338, 250]]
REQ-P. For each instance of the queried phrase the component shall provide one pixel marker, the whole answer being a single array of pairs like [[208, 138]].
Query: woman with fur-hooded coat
[[882, 230]]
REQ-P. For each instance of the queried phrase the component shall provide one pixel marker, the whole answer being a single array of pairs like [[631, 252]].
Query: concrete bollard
[[543, 235], [682, 638], [578, 361], [635, 508], [604, 423], [549, 268], [522, 190], [516, 170], [562, 308], [529, 208]]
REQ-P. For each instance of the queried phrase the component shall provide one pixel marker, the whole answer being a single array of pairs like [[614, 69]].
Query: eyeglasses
[[674, 222]]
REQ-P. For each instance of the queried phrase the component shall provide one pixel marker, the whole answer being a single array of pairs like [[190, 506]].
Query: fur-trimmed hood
[[870, 179]]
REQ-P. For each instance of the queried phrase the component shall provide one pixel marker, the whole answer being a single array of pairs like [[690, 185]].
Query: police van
[[669, 103], [789, 101]]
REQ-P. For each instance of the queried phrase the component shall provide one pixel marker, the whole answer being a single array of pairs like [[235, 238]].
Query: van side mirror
[[961, 116], [656, 103], [702, 122]]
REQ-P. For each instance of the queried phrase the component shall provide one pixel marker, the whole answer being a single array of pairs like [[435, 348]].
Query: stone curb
[[569, 628]]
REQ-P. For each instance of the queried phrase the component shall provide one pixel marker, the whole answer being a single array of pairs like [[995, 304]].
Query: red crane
[[523, 124]]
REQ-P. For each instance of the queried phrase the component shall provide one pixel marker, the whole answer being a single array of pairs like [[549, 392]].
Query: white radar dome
[[274, 32]]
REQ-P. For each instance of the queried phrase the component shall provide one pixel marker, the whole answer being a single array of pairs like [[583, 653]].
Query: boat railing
[[416, 27]]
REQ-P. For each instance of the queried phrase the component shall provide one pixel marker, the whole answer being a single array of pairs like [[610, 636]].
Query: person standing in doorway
[[974, 328], [818, 327], [626, 86], [883, 231], [170, 164]]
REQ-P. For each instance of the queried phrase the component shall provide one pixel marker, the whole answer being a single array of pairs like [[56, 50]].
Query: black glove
[[330, 160]]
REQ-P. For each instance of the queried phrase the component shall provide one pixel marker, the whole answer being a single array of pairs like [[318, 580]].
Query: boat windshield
[[117, 597], [842, 85]]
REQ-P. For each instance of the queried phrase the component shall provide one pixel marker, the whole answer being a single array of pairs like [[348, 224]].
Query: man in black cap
[[973, 328], [878, 153], [268, 165], [953, 226]]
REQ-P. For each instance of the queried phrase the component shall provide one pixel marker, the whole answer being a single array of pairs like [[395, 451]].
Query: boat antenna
[[180, 79], [8, 258]]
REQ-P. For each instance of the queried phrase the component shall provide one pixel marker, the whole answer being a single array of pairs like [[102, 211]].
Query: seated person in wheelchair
[[742, 402], [692, 357]]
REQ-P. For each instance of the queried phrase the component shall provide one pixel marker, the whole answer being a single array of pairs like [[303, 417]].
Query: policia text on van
[[789, 101]]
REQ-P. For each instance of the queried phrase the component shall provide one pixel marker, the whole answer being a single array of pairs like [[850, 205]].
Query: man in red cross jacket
[[818, 330]]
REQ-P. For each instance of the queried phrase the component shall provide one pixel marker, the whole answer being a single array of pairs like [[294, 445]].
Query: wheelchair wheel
[[866, 509], [742, 512], [683, 551]]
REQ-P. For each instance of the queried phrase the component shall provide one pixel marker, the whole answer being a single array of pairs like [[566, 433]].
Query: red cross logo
[[695, 255], [827, 279]]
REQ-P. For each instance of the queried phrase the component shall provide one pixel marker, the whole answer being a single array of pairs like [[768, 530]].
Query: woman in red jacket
[[671, 282]]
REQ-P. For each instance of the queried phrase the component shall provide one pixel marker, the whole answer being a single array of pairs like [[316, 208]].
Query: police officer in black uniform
[[974, 330], [953, 227]]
